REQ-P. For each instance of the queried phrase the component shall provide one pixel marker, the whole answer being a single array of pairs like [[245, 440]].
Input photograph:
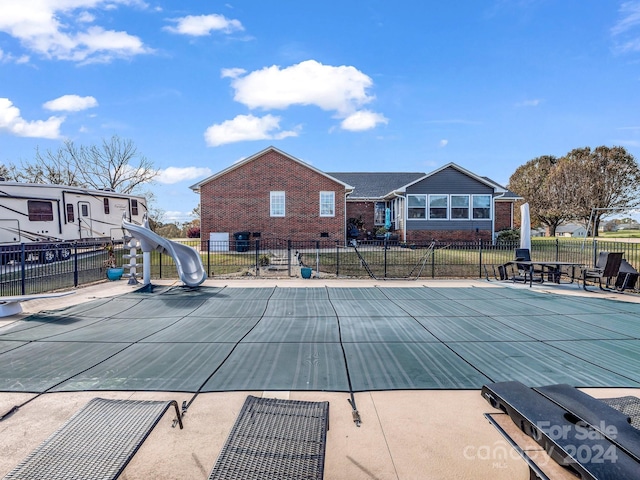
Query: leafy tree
[[534, 183], [599, 182], [169, 230]]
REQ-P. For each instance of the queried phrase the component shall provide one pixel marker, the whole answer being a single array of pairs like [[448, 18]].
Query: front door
[[84, 217]]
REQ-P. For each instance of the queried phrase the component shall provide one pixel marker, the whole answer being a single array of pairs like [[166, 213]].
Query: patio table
[[554, 270]]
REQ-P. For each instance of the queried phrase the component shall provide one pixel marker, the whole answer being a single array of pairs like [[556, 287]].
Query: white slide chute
[[187, 259]]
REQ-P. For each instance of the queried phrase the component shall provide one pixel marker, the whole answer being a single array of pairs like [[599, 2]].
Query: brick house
[[274, 195]]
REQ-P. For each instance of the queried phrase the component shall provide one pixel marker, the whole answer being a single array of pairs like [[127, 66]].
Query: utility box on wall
[[219, 242]]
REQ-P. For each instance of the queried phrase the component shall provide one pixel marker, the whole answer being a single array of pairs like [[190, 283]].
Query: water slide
[[187, 259]]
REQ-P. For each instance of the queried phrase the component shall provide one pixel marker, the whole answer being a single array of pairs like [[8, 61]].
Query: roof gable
[[484, 180], [196, 187]]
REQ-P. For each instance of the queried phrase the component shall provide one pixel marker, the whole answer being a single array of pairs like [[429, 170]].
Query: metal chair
[[526, 271], [607, 267]]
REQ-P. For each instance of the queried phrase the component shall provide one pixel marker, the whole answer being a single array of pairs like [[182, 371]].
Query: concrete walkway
[[404, 434]]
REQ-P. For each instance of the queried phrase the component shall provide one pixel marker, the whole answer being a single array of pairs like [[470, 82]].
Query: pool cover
[[215, 339]]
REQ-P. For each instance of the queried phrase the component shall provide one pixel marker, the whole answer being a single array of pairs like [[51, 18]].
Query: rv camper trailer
[[50, 219]]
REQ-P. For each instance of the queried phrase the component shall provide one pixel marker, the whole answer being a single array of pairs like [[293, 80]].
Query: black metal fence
[[24, 272], [32, 268]]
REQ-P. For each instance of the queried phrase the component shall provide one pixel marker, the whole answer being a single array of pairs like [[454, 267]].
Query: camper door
[[84, 217]]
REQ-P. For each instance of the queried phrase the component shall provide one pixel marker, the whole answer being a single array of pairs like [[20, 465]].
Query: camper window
[[40, 211], [134, 207], [106, 206], [70, 216]]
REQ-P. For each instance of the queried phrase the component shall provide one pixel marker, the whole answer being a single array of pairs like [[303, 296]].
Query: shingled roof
[[372, 185]]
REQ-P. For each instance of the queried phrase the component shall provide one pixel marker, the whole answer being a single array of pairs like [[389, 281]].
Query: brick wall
[[363, 210], [503, 218], [239, 201]]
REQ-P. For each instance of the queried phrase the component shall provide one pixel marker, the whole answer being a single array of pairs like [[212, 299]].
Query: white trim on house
[[331, 194], [277, 198]]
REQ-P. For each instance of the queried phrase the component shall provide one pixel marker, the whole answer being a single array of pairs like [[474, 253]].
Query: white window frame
[[274, 203], [409, 207], [452, 206], [327, 199], [473, 197], [446, 208]]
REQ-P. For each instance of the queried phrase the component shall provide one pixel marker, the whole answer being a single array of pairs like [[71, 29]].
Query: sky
[[357, 85]]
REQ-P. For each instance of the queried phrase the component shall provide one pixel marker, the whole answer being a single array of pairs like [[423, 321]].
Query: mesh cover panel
[[275, 439], [630, 406], [97, 442]]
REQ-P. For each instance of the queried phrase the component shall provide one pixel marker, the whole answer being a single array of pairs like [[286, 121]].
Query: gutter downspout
[[344, 218], [493, 218]]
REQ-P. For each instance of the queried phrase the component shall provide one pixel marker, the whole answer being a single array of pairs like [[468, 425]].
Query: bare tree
[[116, 165], [50, 167], [4, 172]]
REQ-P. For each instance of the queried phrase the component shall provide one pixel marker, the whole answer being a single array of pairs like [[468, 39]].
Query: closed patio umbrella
[[525, 227], [387, 218]]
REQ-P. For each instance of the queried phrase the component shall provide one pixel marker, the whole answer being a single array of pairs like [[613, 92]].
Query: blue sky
[[358, 85]]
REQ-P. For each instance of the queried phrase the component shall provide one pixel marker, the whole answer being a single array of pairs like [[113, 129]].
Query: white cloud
[[11, 121], [232, 72], [342, 89], [363, 120], [70, 103], [176, 216], [7, 57], [64, 29], [629, 17], [246, 127], [443, 143], [178, 174], [625, 31], [200, 25], [529, 103]]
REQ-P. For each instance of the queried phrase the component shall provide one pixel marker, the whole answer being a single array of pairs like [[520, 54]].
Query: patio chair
[[524, 255], [607, 267]]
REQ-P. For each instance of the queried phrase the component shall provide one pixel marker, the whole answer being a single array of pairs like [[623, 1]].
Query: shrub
[[508, 236], [193, 232]]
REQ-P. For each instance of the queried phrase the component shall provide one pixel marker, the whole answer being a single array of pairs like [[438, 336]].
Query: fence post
[[337, 258], [75, 264], [557, 250], [289, 257], [160, 264], [23, 269], [384, 244], [433, 263], [317, 258], [595, 252], [209, 257], [257, 257], [480, 245]]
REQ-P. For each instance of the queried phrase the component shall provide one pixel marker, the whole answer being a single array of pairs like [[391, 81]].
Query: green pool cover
[[334, 339]]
